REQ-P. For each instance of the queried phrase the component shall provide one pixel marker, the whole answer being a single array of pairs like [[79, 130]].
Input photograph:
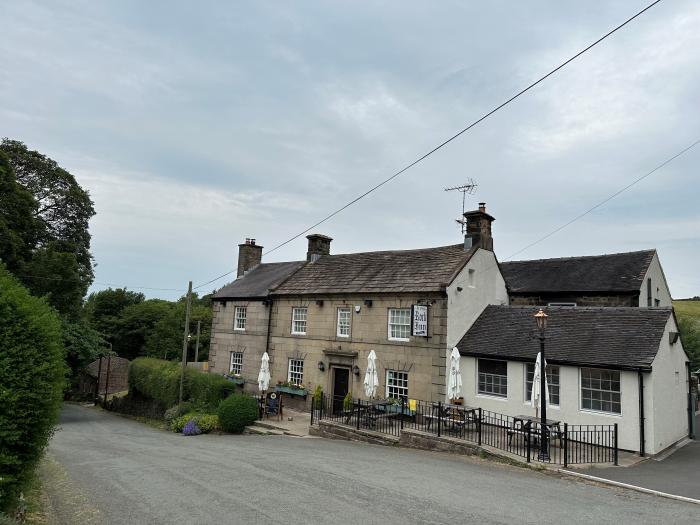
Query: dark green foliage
[[63, 206], [237, 412], [137, 323], [32, 377], [103, 309], [82, 344], [347, 402], [689, 328], [160, 380], [318, 394], [177, 411], [19, 228]]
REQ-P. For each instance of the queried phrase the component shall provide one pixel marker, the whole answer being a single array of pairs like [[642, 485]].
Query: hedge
[[160, 380], [32, 378], [237, 412]]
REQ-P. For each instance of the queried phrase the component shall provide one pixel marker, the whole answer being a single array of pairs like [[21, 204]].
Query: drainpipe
[[691, 408], [640, 377], [269, 323]]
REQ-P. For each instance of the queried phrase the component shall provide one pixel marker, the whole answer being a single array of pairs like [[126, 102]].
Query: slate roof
[[617, 338], [258, 282], [618, 272], [423, 270]]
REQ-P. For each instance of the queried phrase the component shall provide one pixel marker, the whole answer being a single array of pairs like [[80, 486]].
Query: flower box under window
[[238, 380], [292, 390]]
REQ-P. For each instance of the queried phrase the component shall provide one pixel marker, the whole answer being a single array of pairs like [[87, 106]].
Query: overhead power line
[[447, 141], [607, 199], [101, 283]]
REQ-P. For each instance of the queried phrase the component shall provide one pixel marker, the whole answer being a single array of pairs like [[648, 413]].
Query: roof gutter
[[559, 362]]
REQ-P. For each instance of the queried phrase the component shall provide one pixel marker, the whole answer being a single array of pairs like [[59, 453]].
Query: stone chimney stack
[[249, 256], [478, 229], [318, 245]]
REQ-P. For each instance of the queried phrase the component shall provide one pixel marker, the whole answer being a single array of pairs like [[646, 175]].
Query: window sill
[[599, 412], [239, 329], [298, 333], [399, 340], [494, 397], [342, 336]]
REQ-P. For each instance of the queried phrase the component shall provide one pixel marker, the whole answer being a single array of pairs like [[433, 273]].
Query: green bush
[[206, 422], [160, 380], [347, 402], [175, 412], [318, 393], [237, 412], [32, 378]]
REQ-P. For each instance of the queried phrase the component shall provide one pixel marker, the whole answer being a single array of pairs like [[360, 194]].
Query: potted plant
[[290, 388]]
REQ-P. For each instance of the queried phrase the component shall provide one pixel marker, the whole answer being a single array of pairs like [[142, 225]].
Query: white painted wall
[[485, 286], [568, 411], [667, 413], [659, 286]]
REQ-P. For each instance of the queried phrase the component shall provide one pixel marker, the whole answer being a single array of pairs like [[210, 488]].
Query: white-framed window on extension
[[493, 378], [399, 324], [397, 384], [295, 375], [552, 382], [299, 317], [344, 316], [236, 363], [240, 316], [600, 390]]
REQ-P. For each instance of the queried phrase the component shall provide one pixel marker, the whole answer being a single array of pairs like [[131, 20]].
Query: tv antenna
[[469, 187]]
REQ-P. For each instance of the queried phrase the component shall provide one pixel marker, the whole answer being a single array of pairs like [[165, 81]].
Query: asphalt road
[[677, 474], [134, 474]]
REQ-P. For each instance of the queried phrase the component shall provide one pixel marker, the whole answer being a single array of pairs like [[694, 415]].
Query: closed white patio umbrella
[[371, 376], [535, 394], [264, 375], [454, 381]]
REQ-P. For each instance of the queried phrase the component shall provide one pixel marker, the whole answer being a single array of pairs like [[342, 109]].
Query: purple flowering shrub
[[191, 428]]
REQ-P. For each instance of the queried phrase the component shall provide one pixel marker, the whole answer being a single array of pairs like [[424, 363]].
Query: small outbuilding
[[623, 365]]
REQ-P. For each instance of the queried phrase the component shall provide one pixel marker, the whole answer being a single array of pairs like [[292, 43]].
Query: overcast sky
[[195, 124]]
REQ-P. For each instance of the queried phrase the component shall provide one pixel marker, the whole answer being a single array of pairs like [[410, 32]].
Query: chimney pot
[[482, 206], [318, 245], [249, 256], [478, 229]]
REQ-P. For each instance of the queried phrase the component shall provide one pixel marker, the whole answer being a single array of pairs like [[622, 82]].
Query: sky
[[194, 125]]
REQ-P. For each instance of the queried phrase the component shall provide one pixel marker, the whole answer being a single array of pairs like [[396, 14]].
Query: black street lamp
[[541, 319]]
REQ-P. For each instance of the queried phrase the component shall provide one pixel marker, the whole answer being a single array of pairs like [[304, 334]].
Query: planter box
[[291, 390], [396, 409], [236, 380]]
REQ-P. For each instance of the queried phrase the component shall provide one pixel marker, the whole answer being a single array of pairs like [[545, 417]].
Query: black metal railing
[[564, 444]]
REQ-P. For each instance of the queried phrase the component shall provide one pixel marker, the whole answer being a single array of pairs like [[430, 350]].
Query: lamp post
[[541, 319]]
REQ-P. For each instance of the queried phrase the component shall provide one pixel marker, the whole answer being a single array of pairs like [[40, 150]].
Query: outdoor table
[[522, 422], [455, 415]]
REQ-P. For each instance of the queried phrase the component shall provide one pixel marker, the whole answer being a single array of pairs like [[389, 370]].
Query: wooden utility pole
[[196, 345], [185, 338]]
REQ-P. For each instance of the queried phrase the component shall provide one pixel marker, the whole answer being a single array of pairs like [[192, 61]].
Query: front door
[[341, 386]]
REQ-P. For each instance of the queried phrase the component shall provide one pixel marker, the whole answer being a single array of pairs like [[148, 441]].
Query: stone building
[[318, 319], [619, 279]]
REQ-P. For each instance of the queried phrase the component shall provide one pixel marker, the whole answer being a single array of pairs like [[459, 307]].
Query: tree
[[19, 229], [136, 323], [32, 375], [689, 328], [103, 309], [82, 345], [62, 206]]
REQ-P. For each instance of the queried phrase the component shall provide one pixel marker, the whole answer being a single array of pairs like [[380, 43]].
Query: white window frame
[[237, 318], [550, 384], [407, 312], [338, 331], [562, 304], [237, 362], [301, 319], [478, 380], [295, 371], [619, 392], [397, 384]]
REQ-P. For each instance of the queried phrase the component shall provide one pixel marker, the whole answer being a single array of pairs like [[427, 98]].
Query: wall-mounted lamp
[[357, 308], [319, 302], [266, 302], [368, 303], [356, 370], [321, 366]]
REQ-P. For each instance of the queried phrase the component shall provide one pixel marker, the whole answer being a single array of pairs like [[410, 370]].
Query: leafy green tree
[[32, 375], [103, 309], [82, 343], [19, 229], [136, 323], [689, 328], [62, 206]]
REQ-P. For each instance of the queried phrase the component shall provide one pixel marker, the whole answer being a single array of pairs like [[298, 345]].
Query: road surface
[[129, 473]]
